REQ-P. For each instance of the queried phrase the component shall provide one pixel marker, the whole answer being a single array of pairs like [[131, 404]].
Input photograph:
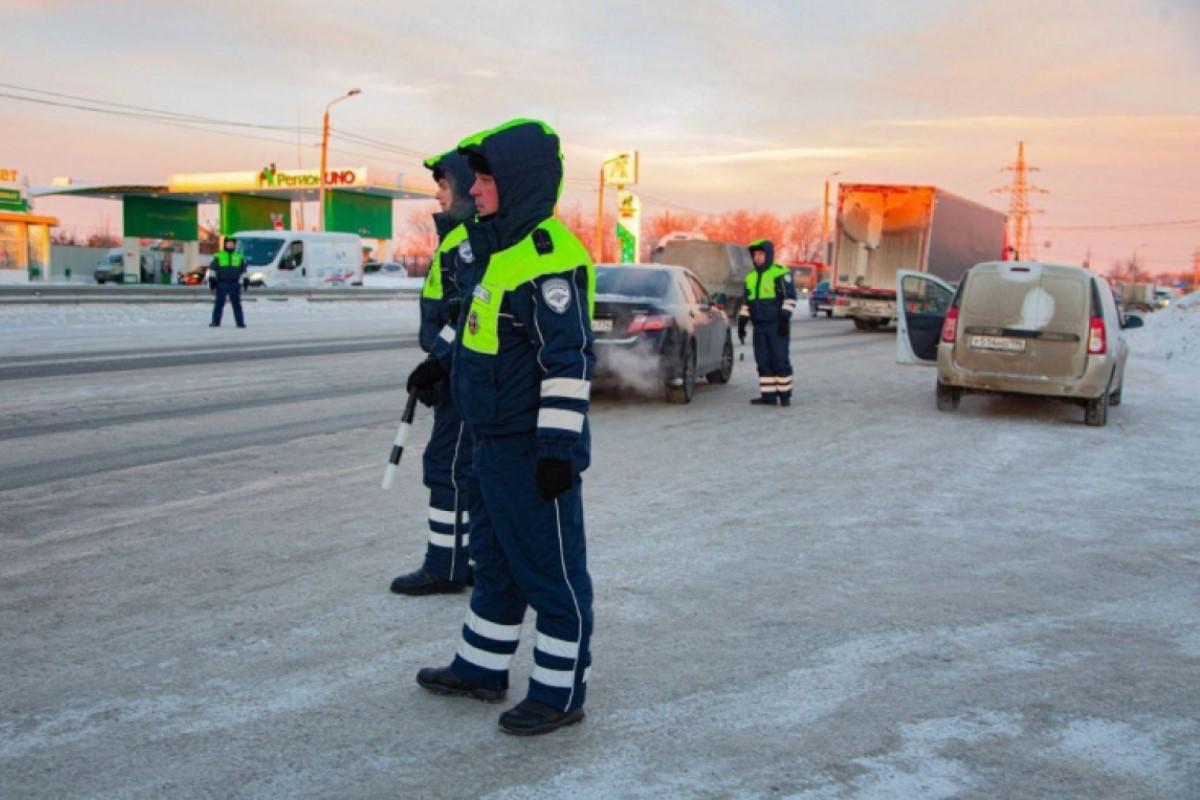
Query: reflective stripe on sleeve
[[570, 388], [561, 419]]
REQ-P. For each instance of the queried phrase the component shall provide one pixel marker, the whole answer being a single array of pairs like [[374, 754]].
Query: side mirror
[[1132, 321], [287, 263], [720, 299]]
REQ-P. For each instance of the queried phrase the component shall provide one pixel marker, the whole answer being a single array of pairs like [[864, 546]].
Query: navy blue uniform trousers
[[528, 552], [774, 363], [234, 292], [447, 466]]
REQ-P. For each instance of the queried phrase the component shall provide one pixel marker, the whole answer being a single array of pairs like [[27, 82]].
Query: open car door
[[921, 305]]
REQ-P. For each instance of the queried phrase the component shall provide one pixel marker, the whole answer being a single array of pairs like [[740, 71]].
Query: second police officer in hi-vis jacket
[[769, 303], [522, 375], [447, 460]]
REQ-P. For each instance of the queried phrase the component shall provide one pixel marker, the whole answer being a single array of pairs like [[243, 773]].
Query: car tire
[[947, 397], [723, 374], [860, 324], [1096, 411], [683, 394], [828, 313]]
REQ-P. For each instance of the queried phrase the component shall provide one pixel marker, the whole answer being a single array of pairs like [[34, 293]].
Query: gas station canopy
[[291, 185], [357, 200]]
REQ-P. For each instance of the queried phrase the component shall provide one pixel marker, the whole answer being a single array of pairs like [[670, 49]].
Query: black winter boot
[[531, 718], [420, 582], [443, 681]]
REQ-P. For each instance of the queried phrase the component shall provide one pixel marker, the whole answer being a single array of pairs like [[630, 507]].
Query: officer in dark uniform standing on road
[[225, 277], [447, 460], [522, 378], [769, 303]]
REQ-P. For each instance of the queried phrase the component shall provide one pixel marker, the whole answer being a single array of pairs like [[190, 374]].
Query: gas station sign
[[12, 198], [621, 169]]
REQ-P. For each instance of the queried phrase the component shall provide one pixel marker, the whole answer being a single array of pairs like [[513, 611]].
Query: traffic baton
[[389, 473]]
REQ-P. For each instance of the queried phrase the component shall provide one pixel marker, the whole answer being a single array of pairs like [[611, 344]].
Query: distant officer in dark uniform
[[447, 461], [225, 278], [522, 378], [769, 303]]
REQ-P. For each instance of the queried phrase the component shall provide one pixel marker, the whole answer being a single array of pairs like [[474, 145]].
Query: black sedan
[[657, 329]]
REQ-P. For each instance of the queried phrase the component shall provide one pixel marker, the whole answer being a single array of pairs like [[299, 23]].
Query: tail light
[[950, 326], [1097, 340], [648, 323]]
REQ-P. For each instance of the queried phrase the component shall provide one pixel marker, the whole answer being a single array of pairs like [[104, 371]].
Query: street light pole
[[325, 156], [600, 219]]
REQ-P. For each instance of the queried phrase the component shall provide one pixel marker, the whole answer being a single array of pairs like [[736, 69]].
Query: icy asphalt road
[[858, 597]]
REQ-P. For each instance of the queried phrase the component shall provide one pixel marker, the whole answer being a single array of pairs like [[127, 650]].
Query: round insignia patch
[[557, 293], [473, 323], [465, 252]]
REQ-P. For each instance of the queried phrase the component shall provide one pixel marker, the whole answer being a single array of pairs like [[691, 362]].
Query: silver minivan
[[1016, 327]]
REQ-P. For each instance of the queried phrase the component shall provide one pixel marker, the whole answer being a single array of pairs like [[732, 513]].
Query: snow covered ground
[[854, 599], [51, 329]]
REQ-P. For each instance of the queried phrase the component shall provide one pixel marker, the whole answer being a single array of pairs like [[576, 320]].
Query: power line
[[143, 112], [1175, 223]]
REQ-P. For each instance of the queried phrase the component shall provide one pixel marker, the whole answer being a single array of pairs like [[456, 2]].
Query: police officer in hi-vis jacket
[[522, 378], [769, 303], [447, 460], [225, 275]]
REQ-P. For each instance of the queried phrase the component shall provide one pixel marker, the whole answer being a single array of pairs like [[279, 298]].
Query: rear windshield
[[259, 252], [1049, 302], [632, 282]]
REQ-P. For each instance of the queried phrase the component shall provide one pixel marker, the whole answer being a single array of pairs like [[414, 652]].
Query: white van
[[301, 258]]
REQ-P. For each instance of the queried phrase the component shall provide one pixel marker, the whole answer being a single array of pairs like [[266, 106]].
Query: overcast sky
[[731, 104]]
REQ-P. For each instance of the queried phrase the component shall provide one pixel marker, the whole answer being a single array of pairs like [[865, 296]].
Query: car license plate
[[998, 343], [602, 325]]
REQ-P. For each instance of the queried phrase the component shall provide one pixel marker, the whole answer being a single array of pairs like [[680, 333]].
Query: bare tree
[[64, 236]]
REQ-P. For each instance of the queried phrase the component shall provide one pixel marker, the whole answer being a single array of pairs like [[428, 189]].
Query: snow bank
[[1172, 334]]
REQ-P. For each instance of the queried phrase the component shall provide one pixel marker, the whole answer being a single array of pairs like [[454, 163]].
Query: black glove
[[785, 326], [742, 329], [424, 381], [212, 284], [554, 476]]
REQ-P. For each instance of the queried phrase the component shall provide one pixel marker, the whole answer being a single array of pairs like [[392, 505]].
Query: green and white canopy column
[[629, 225]]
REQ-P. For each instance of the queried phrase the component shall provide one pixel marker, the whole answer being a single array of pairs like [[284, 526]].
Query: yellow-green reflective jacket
[[524, 357]]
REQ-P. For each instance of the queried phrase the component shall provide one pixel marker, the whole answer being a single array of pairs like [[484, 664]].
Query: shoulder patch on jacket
[[542, 242], [465, 252], [557, 294]]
